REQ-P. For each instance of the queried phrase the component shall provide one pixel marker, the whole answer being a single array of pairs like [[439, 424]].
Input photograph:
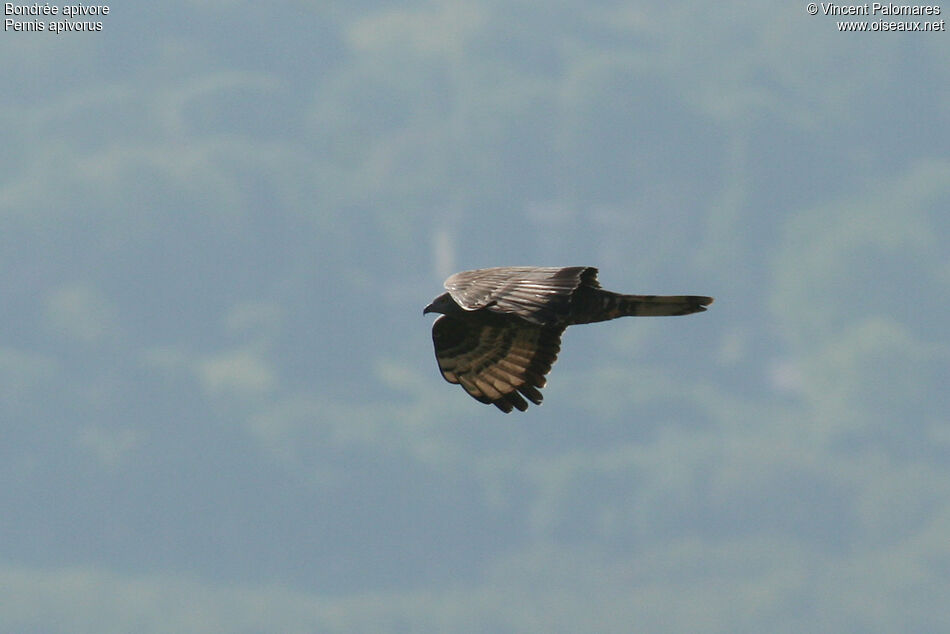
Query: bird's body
[[500, 332]]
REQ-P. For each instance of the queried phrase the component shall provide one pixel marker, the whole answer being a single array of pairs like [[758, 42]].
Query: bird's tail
[[607, 305]]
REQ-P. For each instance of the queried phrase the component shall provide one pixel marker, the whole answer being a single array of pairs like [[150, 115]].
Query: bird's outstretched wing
[[541, 295], [497, 359]]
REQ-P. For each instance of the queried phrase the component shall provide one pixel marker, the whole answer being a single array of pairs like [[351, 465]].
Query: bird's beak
[[427, 309]]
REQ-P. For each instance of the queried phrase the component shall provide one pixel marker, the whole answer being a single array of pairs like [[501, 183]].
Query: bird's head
[[442, 304]]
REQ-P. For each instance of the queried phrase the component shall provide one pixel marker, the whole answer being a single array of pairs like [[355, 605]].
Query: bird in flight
[[500, 329]]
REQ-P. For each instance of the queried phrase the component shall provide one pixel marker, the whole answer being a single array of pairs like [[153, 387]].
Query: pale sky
[[219, 406]]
